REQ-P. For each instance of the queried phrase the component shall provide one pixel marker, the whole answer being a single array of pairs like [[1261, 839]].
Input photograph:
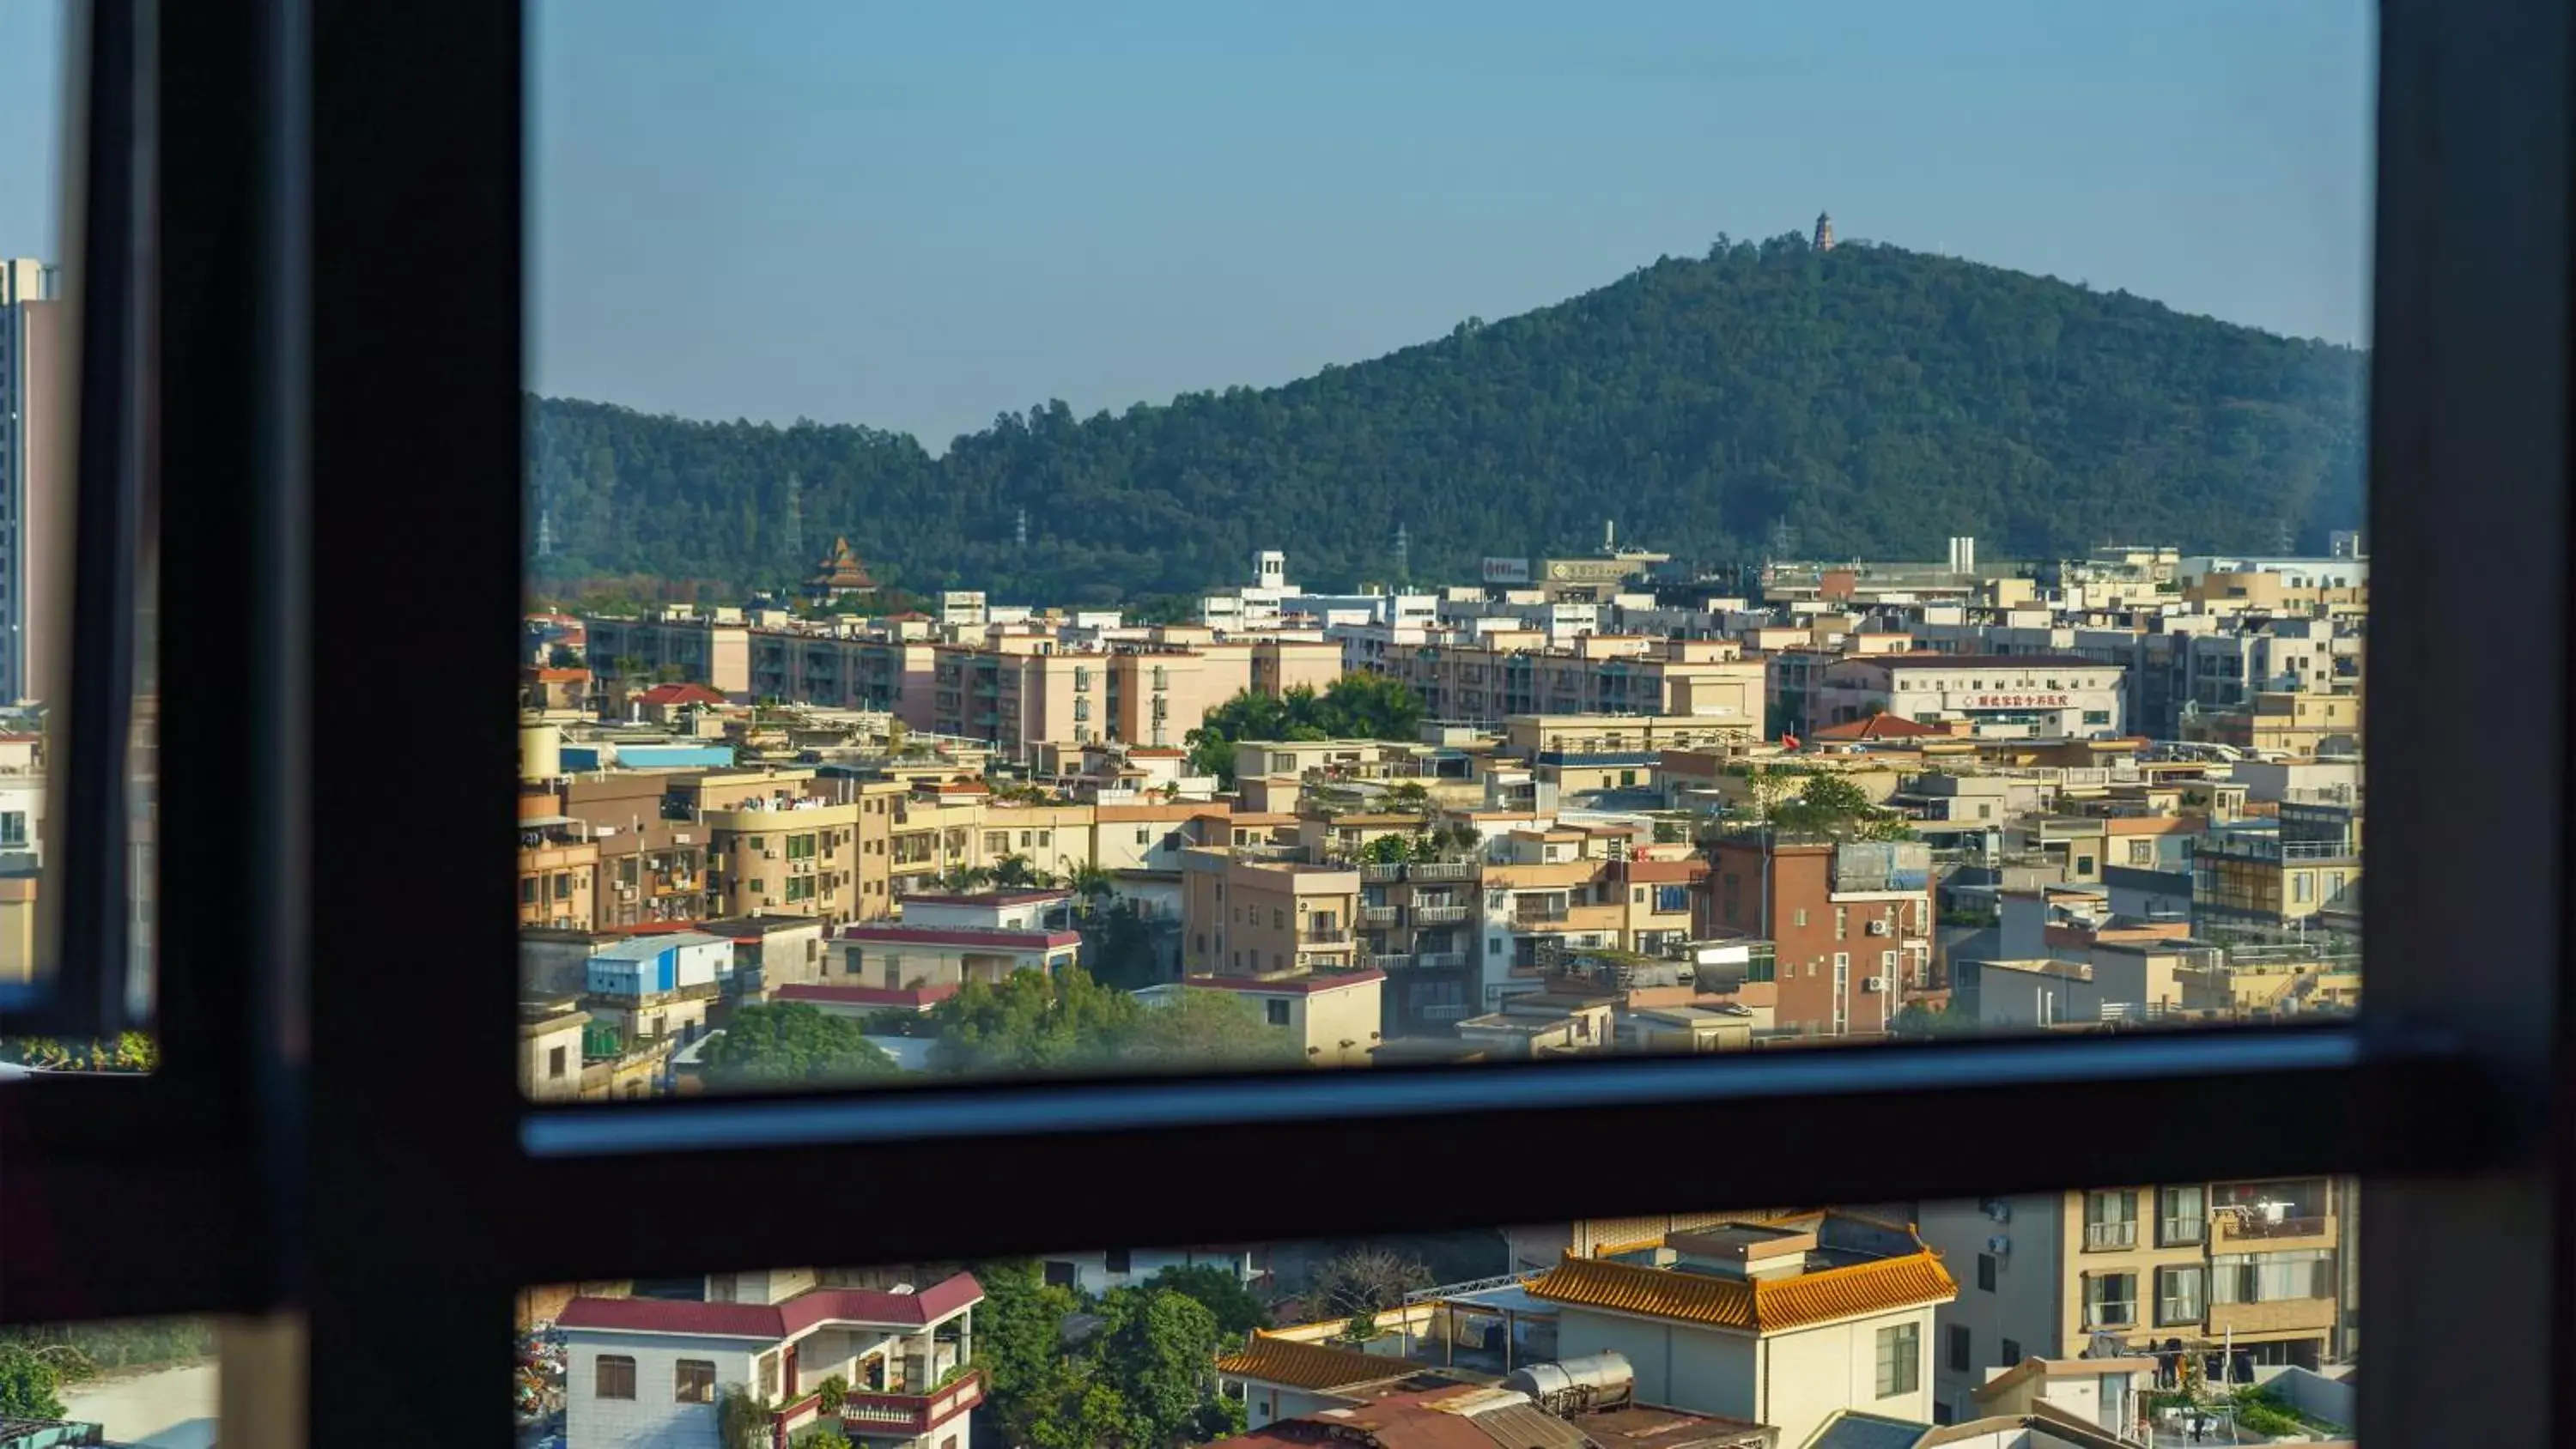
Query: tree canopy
[[1873, 399], [1353, 707], [792, 1043], [1145, 1378], [28, 1385], [1034, 1022]]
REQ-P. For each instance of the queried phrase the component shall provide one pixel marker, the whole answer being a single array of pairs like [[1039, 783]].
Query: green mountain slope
[[1875, 399]]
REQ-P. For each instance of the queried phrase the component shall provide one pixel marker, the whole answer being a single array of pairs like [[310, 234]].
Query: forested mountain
[[1874, 399]]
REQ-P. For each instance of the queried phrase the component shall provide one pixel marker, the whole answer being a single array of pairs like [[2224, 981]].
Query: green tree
[[1016, 872], [822, 1436], [28, 1385], [792, 1044], [1091, 885], [1200, 1029], [1032, 1022], [1019, 1331], [1122, 948], [1218, 1289], [1159, 1349]]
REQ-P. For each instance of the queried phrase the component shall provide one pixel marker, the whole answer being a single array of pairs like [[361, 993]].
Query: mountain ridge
[[1872, 398]]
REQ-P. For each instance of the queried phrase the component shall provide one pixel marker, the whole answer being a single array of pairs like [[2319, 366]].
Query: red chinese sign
[[2016, 701]]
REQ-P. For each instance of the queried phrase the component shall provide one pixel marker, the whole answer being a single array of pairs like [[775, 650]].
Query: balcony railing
[[1397, 961], [1325, 936], [911, 1413], [1439, 915], [1541, 916], [1441, 870], [1381, 872], [2111, 1235], [2181, 1232], [1446, 1011], [2111, 1313], [2253, 1227], [1381, 915], [2175, 1311]]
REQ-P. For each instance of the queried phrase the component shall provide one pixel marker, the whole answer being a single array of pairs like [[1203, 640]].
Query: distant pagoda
[[840, 576], [1824, 231]]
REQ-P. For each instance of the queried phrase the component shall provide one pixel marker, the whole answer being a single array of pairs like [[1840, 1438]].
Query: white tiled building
[[648, 1373]]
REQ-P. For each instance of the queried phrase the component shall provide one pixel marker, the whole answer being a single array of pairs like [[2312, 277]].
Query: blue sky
[[916, 216]]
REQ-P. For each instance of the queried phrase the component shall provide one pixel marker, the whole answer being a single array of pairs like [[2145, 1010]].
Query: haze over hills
[[1874, 399]]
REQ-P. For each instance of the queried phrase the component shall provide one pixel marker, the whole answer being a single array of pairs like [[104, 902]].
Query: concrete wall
[[653, 1419], [1687, 1368], [1809, 1374], [2027, 1301]]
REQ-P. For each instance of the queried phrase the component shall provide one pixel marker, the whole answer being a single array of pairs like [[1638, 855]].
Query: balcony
[[1440, 915], [2251, 1227], [1381, 915], [2281, 1315], [1526, 918], [1324, 936], [1446, 1011], [1434, 960], [909, 1414], [1441, 870], [2101, 1236], [1380, 873], [1398, 961], [2115, 1313]]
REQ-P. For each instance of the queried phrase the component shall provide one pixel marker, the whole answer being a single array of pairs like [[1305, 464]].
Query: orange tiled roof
[[1296, 1365], [1759, 1307]]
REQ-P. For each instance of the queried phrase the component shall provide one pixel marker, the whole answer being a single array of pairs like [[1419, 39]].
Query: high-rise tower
[[35, 458]]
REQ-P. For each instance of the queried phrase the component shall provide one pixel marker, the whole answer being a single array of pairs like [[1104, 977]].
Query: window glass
[[1657, 1321], [39, 321], [1938, 617]]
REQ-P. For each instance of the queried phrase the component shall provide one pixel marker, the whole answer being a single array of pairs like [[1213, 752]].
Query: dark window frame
[[297, 154]]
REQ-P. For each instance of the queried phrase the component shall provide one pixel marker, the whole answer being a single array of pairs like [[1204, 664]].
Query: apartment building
[[1506, 673], [948, 941], [2001, 696], [2277, 875], [651, 856], [650, 1371], [2199, 1266], [1419, 924], [712, 649], [839, 668], [36, 425], [1252, 917], [1020, 691], [773, 845], [1786, 1322], [1851, 922]]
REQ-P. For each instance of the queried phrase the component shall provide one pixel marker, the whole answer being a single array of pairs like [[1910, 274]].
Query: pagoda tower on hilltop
[[1824, 231], [839, 576]]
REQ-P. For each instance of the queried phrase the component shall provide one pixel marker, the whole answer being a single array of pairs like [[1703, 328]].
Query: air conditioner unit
[[1873, 983], [2000, 1209], [1999, 1245], [1878, 928]]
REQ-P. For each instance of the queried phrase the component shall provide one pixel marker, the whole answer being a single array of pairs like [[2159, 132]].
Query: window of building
[[2110, 1300], [2111, 1219], [1986, 1272], [768, 1377], [2011, 1354], [1277, 1011], [1900, 1351], [1960, 1356], [554, 1064], [2181, 1295], [527, 890], [2271, 1277], [613, 1377], [693, 1381], [2182, 1216]]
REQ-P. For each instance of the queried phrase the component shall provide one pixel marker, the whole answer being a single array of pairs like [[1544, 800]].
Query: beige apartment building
[[1515, 672], [1250, 917], [1333, 1016], [843, 671], [711, 650], [2260, 1265], [2295, 722], [776, 842]]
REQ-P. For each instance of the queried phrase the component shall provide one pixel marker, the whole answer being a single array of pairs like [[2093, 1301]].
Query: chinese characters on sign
[[2016, 701]]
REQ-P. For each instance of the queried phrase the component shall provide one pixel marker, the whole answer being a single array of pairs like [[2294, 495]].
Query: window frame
[[268, 1114]]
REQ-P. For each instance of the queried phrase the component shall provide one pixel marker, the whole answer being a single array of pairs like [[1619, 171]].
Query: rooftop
[[773, 1322], [1292, 1364], [1772, 1304]]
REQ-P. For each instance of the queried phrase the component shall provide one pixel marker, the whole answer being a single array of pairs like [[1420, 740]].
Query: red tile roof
[[772, 1322], [671, 694], [1876, 727], [1298, 1365]]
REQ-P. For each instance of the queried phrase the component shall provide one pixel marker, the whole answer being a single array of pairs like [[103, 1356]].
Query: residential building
[[2200, 1265], [1243, 918], [1419, 923], [550, 1049], [952, 940], [1781, 1322], [1333, 1016], [2276, 875], [771, 952], [2000, 696], [712, 649], [36, 423], [650, 1371], [1850, 922], [778, 841]]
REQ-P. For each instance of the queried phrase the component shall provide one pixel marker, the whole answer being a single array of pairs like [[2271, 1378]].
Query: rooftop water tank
[[1599, 1378]]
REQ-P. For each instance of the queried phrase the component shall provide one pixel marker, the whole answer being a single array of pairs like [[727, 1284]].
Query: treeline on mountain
[[1873, 400]]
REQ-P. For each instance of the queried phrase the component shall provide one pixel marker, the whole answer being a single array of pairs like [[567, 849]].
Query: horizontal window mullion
[[1215, 1161]]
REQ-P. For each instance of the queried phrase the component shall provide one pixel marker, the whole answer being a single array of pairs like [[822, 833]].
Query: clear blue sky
[[918, 215]]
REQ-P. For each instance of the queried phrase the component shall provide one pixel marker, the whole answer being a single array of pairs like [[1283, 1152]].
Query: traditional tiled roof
[[774, 1321], [1876, 727], [1773, 1306], [1292, 1364], [675, 694]]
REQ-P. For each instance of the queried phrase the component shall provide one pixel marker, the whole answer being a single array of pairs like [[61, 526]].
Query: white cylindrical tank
[[540, 752], [1600, 1377]]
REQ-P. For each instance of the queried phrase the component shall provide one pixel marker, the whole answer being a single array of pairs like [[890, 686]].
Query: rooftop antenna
[[1403, 552], [1609, 535], [1020, 529], [791, 536], [546, 534]]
